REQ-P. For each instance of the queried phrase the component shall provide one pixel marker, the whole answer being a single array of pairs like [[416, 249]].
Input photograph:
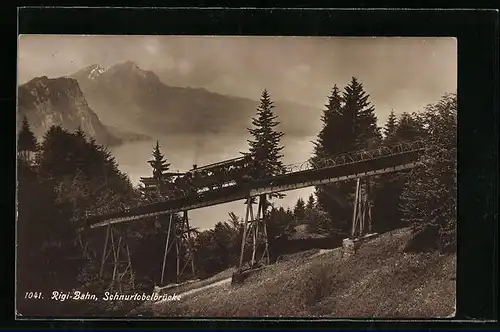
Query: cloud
[[299, 74], [184, 67]]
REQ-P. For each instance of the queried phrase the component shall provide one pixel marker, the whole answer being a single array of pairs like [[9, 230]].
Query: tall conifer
[[265, 146], [159, 166], [27, 143], [360, 116], [390, 126], [349, 123]]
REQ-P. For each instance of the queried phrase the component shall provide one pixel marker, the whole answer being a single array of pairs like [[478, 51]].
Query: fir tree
[[390, 126], [349, 123], [388, 187], [58, 194], [310, 213], [159, 166], [265, 146], [79, 132], [360, 116], [27, 142], [299, 211], [334, 138], [330, 138], [54, 159], [408, 127], [81, 145], [311, 203]]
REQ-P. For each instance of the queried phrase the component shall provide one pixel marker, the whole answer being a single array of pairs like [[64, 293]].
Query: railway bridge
[[358, 165]]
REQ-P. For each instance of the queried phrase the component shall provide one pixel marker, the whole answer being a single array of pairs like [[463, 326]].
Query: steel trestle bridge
[[344, 167], [348, 166]]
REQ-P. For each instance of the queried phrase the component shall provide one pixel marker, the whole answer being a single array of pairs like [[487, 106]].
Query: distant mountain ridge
[[60, 101], [127, 96]]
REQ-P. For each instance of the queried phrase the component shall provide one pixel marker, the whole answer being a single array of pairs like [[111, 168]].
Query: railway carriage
[[198, 181]]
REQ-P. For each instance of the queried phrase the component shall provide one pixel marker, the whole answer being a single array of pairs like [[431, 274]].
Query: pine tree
[[349, 123], [360, 116], [79, 132], [388, 188], [27, 143], [299, 211], [159, 166], [333, 139], [390, 126], [60, 192], [54, 159], [265, 146], [408, 127], [330, 138], [310, 210], [81, 145], [311, 203]]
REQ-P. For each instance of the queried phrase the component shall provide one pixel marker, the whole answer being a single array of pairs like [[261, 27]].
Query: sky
[[403, 74], [400, 74]]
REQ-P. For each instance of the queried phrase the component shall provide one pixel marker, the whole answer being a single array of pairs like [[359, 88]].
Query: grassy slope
[[198, 284], [380, 281]]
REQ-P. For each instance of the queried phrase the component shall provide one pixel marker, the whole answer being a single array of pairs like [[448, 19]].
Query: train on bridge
[[200, 180]]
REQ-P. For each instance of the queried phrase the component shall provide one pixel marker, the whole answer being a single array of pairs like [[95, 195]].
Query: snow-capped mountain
[[95, 72], [127, 96]]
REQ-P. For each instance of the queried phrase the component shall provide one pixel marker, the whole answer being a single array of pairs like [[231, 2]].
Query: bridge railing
[[358, 156]]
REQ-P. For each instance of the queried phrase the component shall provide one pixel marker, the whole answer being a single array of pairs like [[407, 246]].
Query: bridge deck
[[291, 181]]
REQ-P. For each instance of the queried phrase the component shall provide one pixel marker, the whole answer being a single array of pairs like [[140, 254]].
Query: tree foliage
[[265, 143], [387, 188], [330, 138], [349, 123], [360, 116], [219, 248], [390, 126], [159, 165], [429, 198], [71, 177], [26, 139], [299, 212]]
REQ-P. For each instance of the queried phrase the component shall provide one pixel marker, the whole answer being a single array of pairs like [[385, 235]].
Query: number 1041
[[33, 295]]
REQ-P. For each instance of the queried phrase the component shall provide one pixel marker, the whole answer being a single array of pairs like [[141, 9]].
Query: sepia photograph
[[164, 176]]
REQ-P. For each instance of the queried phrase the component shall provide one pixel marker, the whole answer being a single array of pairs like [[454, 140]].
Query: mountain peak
[[130, 63], [96, 71], [90, 72], [131, 68], [58, 83], [127, 65]]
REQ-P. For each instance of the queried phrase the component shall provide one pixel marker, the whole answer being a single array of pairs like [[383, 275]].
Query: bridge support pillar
[[362, 215], [349, 247], [116, 256], [183, 244], [255, 227]]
